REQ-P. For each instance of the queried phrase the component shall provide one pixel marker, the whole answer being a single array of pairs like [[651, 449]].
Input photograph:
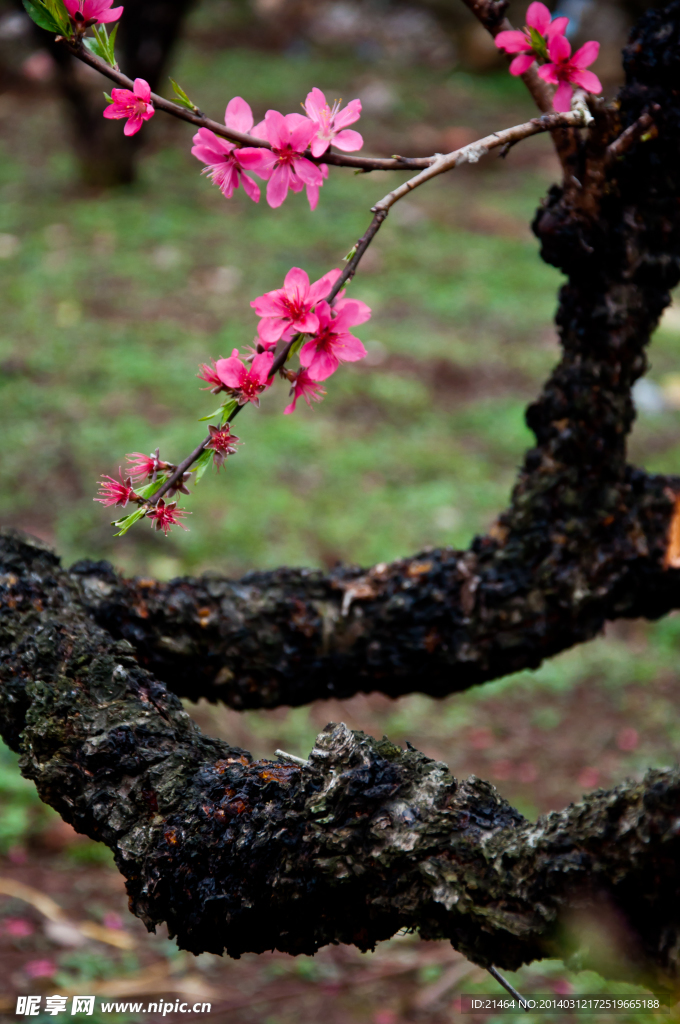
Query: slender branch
[[472, 152], [491, 14], [359, 250], [199, 120], [630, 136], [439, 164]]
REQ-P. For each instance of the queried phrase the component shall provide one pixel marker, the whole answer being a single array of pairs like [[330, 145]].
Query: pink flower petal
[[270, 304], [259, 131], [278, 186], [562, 98], [133, 125], [348, 141], [261, 366], [318, 146], [302, 132], [321, 364], [307, 324], [351, 313], [512, 41], [251, 188], [586, 54], [349, 115], [521, 63], [142, 89], [349, 348], [231, 371], [296, 284], [259, 161], [270, 329], [313, 196], [71, 6], [549, 73], [238, 115], [559, 49], [308, 172], [588, 81], [538, 17], [278, 133], [112, 15], [315, 103], [557, 27], [320, 289]]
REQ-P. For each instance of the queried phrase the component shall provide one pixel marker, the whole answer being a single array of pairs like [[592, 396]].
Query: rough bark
[[367, 838], [364, 840]]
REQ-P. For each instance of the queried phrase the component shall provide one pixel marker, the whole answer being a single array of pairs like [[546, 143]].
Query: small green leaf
[[108, 98], [102, 44], [58, 12], [41, 16], [296, 346], [148, 490], [202, 463], [227, 410], [95, 47], [182, 97], [210, 416], [538, 44], [128, 521], [350, 255]]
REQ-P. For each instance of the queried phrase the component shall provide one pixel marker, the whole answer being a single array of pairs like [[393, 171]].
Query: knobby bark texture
[[366, 838]]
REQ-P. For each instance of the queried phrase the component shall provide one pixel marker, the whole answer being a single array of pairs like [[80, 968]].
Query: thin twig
[[440, 164], [359, 250], [630, 136], [508, 988], [472, 153], [199, 120]]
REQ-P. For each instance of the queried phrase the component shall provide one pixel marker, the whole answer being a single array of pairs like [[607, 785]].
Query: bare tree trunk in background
[[147, 35]]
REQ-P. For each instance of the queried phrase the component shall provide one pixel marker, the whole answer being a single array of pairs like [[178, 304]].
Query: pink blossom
[[246, 382], [222, 442], [143, 467], [164, 516], [304, 387], [40, 968], [93, 10], [209, 374], [331, 123], [522, 43], [290, 308], [136, 106], [333, 344], [566, 70], [115, 492], [18, 927], [284, 166], [223, 158]]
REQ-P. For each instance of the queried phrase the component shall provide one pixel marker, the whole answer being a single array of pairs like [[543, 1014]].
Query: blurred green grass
[[111, 300]]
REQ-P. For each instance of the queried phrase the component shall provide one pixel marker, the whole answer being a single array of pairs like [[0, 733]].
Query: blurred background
[[122, 268]]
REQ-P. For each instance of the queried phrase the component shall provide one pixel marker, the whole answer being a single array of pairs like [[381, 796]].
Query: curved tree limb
[[364, 840]]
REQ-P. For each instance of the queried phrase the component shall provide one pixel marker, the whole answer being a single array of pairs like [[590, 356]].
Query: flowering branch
[[197, 118], [292, 152]]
